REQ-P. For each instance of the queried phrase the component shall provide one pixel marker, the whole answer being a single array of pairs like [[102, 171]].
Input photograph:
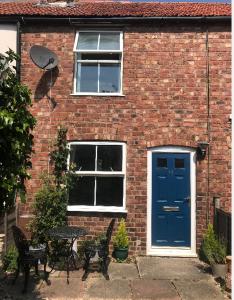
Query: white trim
[[98, 51], [121, 66], [98, 94], [95, 173], [96, 208], [96, 143], [172, 251]]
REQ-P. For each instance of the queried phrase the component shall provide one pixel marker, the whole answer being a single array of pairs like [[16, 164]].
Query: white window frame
[[120, 61], [99, 208]]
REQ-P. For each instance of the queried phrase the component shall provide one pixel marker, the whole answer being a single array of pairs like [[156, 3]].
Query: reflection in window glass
[[162, 162], [87, 77], [99, 56], [87, 41], [109, 80], [100, 177], [99, 62], [82, 193], [109, 191], [83, 156], [109, 158], [109, 41], [179, 163]]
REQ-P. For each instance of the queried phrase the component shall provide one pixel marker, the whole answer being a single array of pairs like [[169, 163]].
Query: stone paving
[[149, 278]]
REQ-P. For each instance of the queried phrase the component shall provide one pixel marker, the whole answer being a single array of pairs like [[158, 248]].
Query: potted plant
[[121, 242], [214, 252]]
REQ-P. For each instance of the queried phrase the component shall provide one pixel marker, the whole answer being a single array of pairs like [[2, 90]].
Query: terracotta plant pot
[[219, 270], [121, 253]]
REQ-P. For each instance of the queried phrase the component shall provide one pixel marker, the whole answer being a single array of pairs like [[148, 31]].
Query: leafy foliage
[[121, 237], [16, 140], [50, 205], [10, 259], [213, 251], [59, 157]]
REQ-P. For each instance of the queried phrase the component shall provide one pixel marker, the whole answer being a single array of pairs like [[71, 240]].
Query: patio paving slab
[[202, 289], [171, 268], [60, 290], [108, 289], [176, 279], [8, 291], [123, 271], [154, 289]]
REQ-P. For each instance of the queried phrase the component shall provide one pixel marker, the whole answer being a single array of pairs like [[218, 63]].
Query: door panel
[[171, 216]]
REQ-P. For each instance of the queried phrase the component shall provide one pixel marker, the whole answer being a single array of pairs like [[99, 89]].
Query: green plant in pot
[[214, 252], [121, 242]]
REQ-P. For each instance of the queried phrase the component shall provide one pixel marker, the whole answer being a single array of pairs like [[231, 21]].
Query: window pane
[[87, 78], [82, 193], [109, 191], [109, 80], [109, 41], [88, 41], [109, 158], [83, 156], [162, 162], [179, 163], [101, 56]]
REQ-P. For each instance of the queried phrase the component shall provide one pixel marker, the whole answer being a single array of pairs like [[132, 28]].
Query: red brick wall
[[165, 103]]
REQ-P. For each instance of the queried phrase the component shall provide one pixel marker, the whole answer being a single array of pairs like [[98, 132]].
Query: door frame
[[172, 251]]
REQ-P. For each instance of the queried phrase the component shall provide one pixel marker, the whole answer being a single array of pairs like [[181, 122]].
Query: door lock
[[188, 200]]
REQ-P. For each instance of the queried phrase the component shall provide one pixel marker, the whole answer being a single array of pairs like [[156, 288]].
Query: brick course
[[165, 103]]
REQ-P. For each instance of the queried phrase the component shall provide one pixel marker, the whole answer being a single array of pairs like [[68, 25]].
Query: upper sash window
[[98, 66]]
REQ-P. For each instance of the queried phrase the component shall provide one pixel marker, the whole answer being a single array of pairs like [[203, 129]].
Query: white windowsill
[[171, 251], [96, 209], [98, 94]]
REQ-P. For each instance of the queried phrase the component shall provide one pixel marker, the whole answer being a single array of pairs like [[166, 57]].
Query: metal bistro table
[[69, 234]]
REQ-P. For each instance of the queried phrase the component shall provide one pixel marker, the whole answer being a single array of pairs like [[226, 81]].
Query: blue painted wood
[[171, 189]]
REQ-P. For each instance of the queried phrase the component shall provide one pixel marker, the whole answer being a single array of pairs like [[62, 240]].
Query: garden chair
[[28, 257], [102, 249]]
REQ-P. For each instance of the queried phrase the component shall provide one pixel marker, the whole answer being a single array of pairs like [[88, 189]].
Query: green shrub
[[16, 125], [50, 207], [10, 259], [213, 251], [121, 237], [50, 204]]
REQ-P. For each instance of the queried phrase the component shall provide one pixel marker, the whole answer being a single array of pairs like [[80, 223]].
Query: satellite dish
[[43, 57]]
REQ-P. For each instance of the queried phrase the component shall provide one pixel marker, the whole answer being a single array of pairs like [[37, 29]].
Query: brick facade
[[165, 102]]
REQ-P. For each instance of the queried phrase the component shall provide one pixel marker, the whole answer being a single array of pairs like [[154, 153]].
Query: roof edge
[[72, 20]]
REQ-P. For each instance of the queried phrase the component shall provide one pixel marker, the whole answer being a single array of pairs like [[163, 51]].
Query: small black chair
[[28, 256], [102, 249]]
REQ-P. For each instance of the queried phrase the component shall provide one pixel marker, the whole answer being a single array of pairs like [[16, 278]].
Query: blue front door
[[171, 213]]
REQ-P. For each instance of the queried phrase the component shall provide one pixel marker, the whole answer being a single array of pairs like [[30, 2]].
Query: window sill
[[96, 209], [98, 94]]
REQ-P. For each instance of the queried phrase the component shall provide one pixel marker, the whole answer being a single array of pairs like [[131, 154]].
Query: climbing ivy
[[59, 157]]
